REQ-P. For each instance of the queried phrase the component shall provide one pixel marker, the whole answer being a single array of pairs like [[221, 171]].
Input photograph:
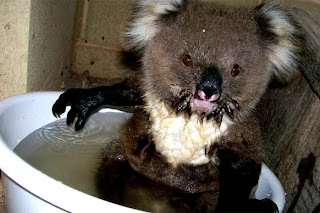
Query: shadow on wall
[[50, 41], [81, 36]]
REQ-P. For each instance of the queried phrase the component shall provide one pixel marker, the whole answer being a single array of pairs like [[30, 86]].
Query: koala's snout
[[209, 87]]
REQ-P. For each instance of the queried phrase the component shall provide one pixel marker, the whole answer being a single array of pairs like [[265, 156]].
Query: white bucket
[[29, 190]]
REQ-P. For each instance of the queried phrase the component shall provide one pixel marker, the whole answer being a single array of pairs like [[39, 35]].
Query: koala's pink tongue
[[204, 106]]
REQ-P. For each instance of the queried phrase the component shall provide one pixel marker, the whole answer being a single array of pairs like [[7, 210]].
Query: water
[[74, 157], [68, 156]]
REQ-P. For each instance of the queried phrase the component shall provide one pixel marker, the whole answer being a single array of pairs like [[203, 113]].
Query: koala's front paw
[[83, 103]]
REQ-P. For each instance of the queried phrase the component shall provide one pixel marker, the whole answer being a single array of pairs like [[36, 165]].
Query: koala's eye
[[235, 70], [187, 60]]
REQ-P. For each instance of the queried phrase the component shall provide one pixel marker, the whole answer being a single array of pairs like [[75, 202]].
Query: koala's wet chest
[[184, 140]]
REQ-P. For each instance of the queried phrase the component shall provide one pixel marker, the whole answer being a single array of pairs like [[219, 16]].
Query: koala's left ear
[[291, 47], [146, 20], [310, 54]]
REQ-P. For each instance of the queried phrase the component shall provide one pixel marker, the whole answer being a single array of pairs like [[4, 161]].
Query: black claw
[[235, 103], [55, 114], [58, 108], [214, 113], [219, 117], [217, 111], [228, 110], [70, 117], [181, 106], [202, 115], [80, 123], [211, 150]]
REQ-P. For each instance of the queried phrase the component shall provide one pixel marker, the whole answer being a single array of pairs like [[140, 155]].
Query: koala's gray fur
[[194, 150], [266, 42]]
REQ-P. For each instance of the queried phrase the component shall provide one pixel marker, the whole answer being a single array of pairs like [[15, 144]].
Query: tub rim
[[33, 180], [81, 202]]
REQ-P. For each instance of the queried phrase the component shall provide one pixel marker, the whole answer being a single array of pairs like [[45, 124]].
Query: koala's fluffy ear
[[145, 21], [291, 47], [310, 54], [281, 37]]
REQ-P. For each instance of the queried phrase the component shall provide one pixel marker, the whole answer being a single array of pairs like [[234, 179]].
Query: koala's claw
[[58, 108], [228, 110], [219, 117], [82, 102], [183, 103], [71, 116], [182, 106], [80, 123], [228, 106]]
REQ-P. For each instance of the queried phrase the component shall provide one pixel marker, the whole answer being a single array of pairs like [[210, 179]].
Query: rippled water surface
[[68, 156]]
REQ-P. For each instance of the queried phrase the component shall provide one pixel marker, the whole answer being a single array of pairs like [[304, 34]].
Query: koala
[[193, 142]]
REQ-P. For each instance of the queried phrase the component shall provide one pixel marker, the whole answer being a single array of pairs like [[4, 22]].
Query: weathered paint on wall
[[35, 43], [50, 41], [14, 34]]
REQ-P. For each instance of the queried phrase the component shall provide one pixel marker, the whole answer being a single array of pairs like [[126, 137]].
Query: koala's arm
[[240, 168], [85, 102], [232, 180], [143, 158]]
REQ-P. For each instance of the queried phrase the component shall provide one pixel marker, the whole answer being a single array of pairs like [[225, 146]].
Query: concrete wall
[[97, 48], [14, 34], [50, 42], [35, 43]]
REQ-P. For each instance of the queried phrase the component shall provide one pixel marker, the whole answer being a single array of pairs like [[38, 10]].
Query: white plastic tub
[[28, 190]]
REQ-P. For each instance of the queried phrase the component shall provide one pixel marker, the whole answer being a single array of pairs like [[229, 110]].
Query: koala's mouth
[[205, 105], [213, 106]]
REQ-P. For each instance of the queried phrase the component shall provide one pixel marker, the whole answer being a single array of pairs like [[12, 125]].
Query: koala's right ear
[[145, 21]]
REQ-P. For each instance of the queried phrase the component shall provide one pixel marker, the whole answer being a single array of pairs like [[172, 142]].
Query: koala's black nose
[[209, 87]]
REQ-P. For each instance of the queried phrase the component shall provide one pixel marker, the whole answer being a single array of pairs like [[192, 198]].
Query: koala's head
[[204, 58]]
